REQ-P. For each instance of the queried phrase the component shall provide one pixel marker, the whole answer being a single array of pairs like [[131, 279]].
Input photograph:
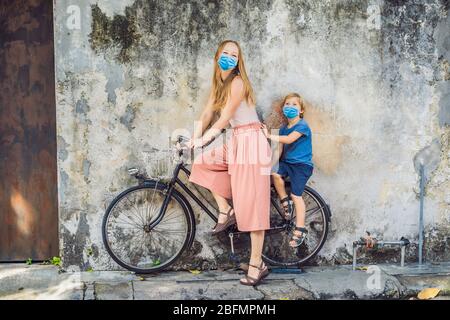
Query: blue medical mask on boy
[[289, 111], [226, 62]]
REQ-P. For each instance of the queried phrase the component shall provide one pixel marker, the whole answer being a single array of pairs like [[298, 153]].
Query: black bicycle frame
[[171, 185], [176, 181]]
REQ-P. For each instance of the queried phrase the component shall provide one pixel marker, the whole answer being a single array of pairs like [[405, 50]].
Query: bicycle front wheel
[[277, 250], [128, 238]]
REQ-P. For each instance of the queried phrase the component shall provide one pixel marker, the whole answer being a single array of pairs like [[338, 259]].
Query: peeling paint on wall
[[128, 117], [375, 75], [120, 31]]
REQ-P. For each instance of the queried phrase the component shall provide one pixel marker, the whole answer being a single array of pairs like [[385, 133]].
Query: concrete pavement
[[20, 281]]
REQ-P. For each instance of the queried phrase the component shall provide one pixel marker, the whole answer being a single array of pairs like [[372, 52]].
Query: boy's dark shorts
[[298, 173]]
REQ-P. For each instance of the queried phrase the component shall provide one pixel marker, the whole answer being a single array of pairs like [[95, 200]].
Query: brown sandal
[[263, 272], [223, 226]]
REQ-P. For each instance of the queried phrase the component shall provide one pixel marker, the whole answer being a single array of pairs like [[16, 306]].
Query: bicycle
[[147, 227]]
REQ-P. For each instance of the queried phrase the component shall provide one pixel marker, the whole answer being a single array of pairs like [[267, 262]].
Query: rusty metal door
[[28, 178]]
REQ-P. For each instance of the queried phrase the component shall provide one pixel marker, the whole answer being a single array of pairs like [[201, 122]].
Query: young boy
[[296, 162]]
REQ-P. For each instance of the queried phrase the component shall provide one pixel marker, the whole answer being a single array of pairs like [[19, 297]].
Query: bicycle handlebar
[[181, 139]]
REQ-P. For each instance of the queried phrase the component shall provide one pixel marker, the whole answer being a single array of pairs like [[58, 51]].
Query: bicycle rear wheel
[[276, 244], [129, 240]]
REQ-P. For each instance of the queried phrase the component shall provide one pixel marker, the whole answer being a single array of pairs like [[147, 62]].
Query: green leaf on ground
[[195, 271], [364, 268], [56, 261], [157, 262], [89, 251]]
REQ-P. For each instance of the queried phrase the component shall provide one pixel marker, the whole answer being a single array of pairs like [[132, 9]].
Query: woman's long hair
[[221, 88]]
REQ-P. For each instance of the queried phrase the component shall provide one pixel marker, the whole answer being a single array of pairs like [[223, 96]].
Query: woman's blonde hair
[[279, 107], [221, 88]]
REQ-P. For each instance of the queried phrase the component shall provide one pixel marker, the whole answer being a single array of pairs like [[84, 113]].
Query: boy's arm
[[292, 137], [279, 147]]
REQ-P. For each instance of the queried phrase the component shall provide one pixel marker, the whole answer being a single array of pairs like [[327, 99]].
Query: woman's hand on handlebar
[[195, 143]]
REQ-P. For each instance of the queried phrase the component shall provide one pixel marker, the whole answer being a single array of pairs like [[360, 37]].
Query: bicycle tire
[[326, 214], [188, 238]]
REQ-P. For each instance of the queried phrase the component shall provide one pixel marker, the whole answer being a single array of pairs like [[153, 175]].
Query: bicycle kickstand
[[233, 257]]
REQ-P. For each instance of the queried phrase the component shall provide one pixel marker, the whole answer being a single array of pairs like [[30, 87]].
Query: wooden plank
[[28, 169]]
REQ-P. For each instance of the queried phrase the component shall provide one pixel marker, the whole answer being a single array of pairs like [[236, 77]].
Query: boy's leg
[[278, 182], [299, 176], [300, 210], [299, 220]]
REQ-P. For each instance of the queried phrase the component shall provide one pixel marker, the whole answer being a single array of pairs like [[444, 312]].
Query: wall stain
[[128, 117], [162, 35], [86, 169], [75, 244], [120, 31]]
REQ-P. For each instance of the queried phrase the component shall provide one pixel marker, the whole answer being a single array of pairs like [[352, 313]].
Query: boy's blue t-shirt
[[299, 151]]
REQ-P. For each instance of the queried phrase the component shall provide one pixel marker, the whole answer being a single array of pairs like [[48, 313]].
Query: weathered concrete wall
[[375, 75]]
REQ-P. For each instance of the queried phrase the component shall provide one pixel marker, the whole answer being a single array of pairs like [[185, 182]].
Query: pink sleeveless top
[[244, 114]]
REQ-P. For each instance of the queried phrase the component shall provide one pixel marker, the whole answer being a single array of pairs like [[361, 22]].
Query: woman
[[240, 168]]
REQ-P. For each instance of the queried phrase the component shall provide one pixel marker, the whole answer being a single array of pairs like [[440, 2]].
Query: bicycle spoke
[[127, 227], [132, 223], [316, 210], [161, 234], [165, 220], [138, 208], [137, 213], [124, 229], [152, 206], [171, 231], [175, 222]]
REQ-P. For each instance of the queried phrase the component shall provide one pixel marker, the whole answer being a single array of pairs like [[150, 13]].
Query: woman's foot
[[224, 221], [255, 274], [298, 237]]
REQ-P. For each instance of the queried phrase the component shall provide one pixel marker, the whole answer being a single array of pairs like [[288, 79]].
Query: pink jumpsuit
[[240, 170]]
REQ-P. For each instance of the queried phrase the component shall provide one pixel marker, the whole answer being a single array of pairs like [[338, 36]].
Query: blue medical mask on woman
[[289, 111], [226, 62]]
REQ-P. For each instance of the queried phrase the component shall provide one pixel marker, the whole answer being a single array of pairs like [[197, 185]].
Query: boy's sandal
[[223, 226], [263, 272], [287, 207], [297, 240]]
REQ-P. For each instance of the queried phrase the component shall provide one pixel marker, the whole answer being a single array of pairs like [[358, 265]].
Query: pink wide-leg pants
[[240, 170]]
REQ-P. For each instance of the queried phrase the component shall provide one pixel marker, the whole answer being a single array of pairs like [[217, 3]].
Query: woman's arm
[[233, 101], [205, 118]]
